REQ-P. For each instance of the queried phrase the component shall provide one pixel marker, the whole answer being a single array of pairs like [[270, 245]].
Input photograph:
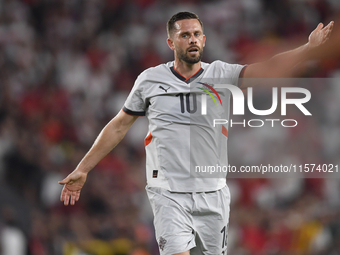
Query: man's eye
[[197, 34], [184, 36]]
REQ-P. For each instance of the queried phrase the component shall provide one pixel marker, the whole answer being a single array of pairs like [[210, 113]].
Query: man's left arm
[[281, 65]]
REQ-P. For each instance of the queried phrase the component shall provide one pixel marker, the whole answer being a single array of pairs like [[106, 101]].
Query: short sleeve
[[234, 72], [135, 102]]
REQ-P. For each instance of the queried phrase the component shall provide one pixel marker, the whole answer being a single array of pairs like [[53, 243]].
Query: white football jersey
[[182, 142]]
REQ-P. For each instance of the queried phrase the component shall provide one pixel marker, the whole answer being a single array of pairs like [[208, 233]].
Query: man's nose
[[192, 39]]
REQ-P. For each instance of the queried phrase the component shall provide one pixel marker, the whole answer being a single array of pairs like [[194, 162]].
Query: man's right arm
[[282, 65], [108, 138]]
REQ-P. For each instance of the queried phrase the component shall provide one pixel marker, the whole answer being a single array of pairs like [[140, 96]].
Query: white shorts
[[190, 221]]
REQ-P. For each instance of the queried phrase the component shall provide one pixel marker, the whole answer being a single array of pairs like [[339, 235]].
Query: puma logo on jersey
[[166, 90]]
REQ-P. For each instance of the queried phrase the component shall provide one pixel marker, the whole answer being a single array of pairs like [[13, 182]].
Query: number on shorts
[[224, 236]]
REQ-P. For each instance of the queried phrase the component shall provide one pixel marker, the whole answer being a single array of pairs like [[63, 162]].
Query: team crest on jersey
[[161, 243]]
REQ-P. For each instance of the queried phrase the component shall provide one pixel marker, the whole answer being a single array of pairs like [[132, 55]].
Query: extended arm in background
[[282, 65], [108, 138]]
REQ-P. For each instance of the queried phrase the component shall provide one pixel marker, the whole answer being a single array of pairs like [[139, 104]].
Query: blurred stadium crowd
[[66, 67]]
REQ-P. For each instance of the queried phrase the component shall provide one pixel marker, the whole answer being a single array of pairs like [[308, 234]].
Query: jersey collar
[[186, 80]]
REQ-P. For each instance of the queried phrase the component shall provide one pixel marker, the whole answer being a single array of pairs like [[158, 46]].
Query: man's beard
[[183, 55]]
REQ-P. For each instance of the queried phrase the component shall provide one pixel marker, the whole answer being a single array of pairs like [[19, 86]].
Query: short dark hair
[[170, 26]]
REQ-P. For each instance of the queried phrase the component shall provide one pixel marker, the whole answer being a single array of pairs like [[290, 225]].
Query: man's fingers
[[63, 194], [77, 195], [330, 25], [72, 186], [328, 29], [319, 27], [73, 200], [65, 181], [67, 197]]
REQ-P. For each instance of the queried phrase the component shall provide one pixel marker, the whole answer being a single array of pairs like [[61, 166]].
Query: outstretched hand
[[73, 184], [320, 35]]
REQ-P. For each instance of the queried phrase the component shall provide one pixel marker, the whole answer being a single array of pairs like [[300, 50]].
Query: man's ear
[[170, 43], [204, 40]]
